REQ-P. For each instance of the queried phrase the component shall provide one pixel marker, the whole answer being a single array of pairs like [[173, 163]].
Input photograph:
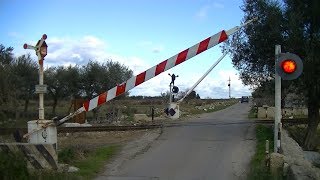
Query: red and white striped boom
[[156, 70]]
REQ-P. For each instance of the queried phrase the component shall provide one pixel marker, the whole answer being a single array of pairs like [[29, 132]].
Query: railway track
[[258, 121], [6, 131]]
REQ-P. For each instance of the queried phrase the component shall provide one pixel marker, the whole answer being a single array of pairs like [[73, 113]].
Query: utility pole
[[229, 84]]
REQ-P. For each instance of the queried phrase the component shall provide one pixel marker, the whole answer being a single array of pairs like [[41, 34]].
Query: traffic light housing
[[175, 89], [166, 110], [289, 66]]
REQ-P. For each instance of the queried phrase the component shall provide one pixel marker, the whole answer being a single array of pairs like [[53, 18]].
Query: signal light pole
[[173, 108], [41, 89], [171, 85], [277, 104], [288, 66], [48, 134]]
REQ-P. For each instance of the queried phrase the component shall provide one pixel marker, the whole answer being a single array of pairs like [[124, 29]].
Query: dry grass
[[127, 107]]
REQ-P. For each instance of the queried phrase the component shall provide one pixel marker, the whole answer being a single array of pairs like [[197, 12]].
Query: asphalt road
[[211, 146]]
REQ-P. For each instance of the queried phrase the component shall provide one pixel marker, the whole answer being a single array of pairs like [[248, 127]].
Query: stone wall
[[299, 167], [268, 112]]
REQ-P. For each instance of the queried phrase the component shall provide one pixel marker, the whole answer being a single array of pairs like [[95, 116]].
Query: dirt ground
[[90, 139], [96, 139]]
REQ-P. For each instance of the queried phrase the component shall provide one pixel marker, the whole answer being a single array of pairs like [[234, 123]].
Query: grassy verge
[[95, 161], [11, 166], [253, 113], [258, 169], [89, 162]]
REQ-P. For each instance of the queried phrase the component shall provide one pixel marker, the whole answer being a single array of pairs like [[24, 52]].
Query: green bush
[[53, 175], [253, 113], [66, 155], [13, 166], [3, 116], [130, 111]]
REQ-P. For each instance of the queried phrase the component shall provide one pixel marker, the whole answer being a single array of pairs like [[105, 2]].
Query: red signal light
[[289, 66]]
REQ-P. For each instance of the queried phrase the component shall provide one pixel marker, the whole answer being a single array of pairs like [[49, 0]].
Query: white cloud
[[157, 49], [93, 42], [68, 51], [203, 12]]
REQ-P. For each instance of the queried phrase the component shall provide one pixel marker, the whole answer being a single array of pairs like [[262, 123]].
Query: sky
[[139, 34]]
